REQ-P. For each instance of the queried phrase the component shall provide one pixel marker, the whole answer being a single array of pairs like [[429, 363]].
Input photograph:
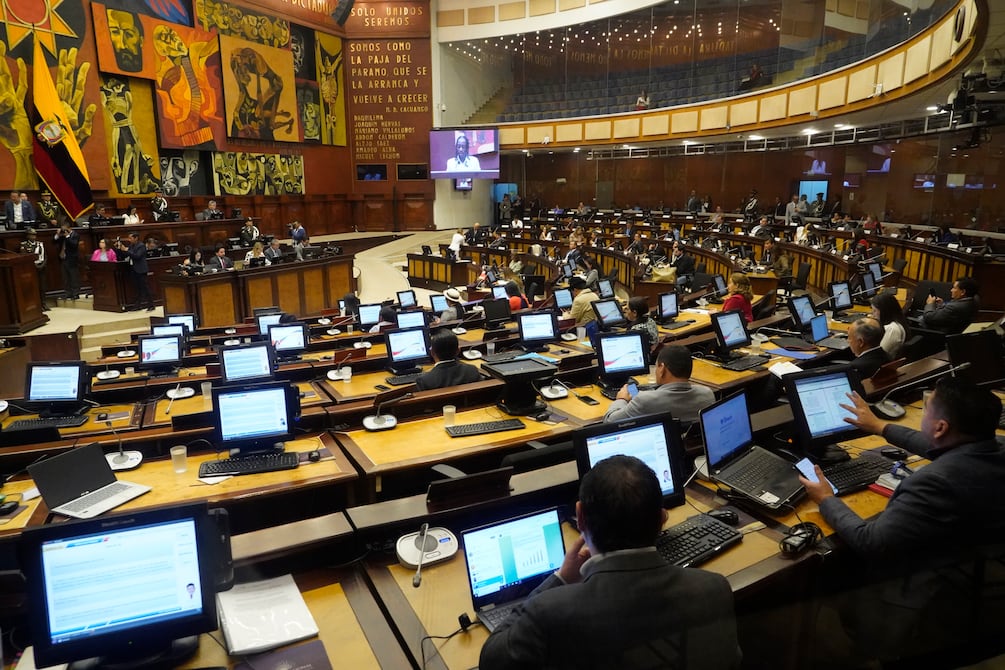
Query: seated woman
[[638, 317], [194, 262], [256, 256], [516, 299], [887, 311], [740, 296]]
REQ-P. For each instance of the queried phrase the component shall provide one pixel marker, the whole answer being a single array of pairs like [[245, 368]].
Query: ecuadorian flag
[[58, 159]]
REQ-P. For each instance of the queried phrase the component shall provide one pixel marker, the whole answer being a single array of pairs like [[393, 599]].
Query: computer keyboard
[[609, 393], [796, 343], [92, 499], [856, 474], [502, 356], [834, 342], [674, 325], [850, 317], [758, 468], [49, 422], [744, 363], [484, 427], [402, 380], [493, 617], [696, 540], [250, 465]]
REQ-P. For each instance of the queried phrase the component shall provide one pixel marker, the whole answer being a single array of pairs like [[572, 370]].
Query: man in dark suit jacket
[[18, 210], [864, 338], [614, 602], [448, 371], [954, 316], [220, 260], [137, 251]]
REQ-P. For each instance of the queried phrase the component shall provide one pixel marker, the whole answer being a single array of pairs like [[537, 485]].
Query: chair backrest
[[701, 268], [899, 265], [802, 276]]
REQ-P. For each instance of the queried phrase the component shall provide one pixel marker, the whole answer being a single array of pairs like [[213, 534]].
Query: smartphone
[[633, 388], [381, 387], [931, 292], [805, 468], [588, 400]]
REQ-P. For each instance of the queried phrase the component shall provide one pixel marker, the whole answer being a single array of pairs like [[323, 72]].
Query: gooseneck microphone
[[123, 460], [420, 544], [891, 410], [381, 421]]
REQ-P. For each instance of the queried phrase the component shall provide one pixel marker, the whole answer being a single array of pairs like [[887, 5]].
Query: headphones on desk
[[800, 537]]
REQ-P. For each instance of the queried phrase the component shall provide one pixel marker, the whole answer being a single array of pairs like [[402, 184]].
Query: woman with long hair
[[740, 296], [887, 311]]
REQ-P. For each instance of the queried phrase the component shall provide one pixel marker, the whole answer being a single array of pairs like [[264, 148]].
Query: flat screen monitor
[[412, 171], [537, 329], [730, 331], [620, 356], [438, 303], [491, 277], [608, 313], [720, 284], [496, 313], [371, 172], [868, 284], [668, 307], [369, 315], [605, 289], [816, 397], [840, 294], [520, 395], [259, 311], [802, 310], [406, 299], [563, 298], [414, 319], [159, 353], [406, 348], [877, 271], [55, 386], [568, 269], [654, 440], [983, 350], [254, 418], [289, 339], [244, 362], [499, 293], [810, 188], [925, 182], [187, 320], [170, 329], [267, 320], [122, 587], [464, 153]]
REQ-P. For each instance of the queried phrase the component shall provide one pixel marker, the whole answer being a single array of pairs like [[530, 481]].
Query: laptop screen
[[818, 328], [646, 440], [563, 298], [512, 552], [725, 428], [499, 293]]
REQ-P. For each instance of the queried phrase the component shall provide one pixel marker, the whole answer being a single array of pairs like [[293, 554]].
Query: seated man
[[614, 602], [954, 316], [775, 259], [272, 252], [219, 260], [675, 393], [864, 339], [937, 517], [211, 212], [582, 298], [447, 371]]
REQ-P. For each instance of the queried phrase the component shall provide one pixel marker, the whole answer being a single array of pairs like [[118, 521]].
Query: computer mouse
[[8, 507], [724, 515], [893, 453], [102, 416], [314, 456]]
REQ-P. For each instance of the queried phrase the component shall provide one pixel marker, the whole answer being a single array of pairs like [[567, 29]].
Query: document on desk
[[308, 656], [264, 615]]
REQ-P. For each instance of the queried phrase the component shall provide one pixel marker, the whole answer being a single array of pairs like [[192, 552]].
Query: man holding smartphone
[[675, 393]]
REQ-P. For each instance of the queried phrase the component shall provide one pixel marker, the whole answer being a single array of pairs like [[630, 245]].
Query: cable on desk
[[463, 628]]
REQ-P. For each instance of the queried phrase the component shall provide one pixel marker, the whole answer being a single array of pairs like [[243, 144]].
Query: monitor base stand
[[277, 448], [169, 656], [828, 455], [522, 410]]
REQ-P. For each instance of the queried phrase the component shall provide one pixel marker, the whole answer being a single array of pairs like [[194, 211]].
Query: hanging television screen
[[464, 153]]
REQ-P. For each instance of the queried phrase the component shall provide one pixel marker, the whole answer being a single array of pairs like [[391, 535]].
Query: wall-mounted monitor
[[464, 153], [371, 172], [464, 184], [412, 171], [924, 182], [810, 188]]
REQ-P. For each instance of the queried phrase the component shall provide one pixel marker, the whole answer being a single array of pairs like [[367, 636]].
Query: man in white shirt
[[462, 162]]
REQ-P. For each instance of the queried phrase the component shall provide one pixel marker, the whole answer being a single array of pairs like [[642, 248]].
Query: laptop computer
[[508, 559], [820, 335], [737, 463], [79, 483]]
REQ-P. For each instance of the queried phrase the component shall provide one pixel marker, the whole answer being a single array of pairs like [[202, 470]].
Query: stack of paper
[[264, 615]]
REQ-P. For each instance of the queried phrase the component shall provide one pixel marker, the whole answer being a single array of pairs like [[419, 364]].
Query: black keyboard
[[858, 473], [834, 342], [49, 422], [609, 393], [744, 363], [674, 325], [696, 540], [502, 356], [250, 465], [466, 429], [796, 343], [758, 468], [850, 317], [401, 380]]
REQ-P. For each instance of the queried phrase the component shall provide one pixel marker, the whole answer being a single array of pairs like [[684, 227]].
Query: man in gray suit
[[954, 316], [675, 393], [614, 602]]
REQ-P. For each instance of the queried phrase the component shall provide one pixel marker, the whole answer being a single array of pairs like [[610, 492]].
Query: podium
[[20, 303]]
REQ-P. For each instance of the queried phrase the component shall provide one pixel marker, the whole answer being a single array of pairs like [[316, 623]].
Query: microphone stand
[[891, 410], [123, 460], [380, 421], [420, 544]]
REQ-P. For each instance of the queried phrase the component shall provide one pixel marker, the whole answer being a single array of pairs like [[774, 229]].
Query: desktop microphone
[[779, 330], [891, 410], [422, 546], [123, 460], [379, 421], [336, 374]]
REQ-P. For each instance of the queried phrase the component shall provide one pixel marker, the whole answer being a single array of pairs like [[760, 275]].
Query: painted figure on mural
[[257, 114], [182, 84], [15, 130], [331, 64], [177, 173], [126, 35], [131, 167], [310, 113]]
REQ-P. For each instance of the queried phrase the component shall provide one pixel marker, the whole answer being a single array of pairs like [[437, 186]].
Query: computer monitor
[[289, 340], [438, 302], [720, 287], [868, 286], [520, 395], [259, 311], [537, 329], [983, 350], [159, 354], [668, 309], [608, 313], [730, 332], [605, 289], [876, 269], [406, 349], [816, 397], [654, 440], [491, 277], [187, 320], [802, 310], [563, 298], [369, 315], [135, 588], [499, 293], [245, 362], [414, 319], [496, 313], [56, 388], [621, 356], [267, 320], [840, 294], [254, 418], [406, 299], [568, 269], [170, 329]]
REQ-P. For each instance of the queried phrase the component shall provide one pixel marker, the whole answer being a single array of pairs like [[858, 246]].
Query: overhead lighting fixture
[[932, 108], [755, 138], [810, 131], [576, 150], [688, 143]]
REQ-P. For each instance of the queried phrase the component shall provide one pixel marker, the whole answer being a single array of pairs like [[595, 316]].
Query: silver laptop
[[737, 463], [79, 483], [509, 559]]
